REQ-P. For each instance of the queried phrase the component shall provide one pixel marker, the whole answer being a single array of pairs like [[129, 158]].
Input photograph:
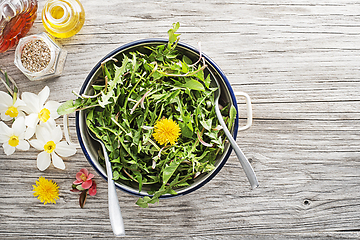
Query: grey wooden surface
[[299, 60]]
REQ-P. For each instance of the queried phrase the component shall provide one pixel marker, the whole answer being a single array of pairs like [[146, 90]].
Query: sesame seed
[[35, 56]]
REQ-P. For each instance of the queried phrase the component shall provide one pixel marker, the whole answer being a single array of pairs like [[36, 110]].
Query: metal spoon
[[116, 219], [250, 174]]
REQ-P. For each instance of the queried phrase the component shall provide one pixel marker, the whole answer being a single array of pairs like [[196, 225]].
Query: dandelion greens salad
[[154, 111]]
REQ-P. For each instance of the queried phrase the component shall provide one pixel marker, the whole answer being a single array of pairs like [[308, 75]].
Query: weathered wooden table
[[299, 60]]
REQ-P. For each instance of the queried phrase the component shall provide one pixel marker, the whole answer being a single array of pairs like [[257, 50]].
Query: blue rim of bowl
[[186, 46]]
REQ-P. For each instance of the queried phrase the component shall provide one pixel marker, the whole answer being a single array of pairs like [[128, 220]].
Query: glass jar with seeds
[[39, 57]]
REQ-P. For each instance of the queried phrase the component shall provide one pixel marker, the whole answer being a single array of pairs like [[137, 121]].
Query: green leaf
[[67, 107], [207, 124], [200, 75], [192, 84], [186, 60], [116, 175], [184, 67], [209, 168], [185, 130], [169, 170], [172, 36], [172, 191], [143, 202], [138, 177], [232, 116], [119, 71], [105, 99], [207, 81], [124, 178]]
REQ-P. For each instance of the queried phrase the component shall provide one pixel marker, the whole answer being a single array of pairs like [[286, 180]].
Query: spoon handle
[[249, 171], [116, 219]]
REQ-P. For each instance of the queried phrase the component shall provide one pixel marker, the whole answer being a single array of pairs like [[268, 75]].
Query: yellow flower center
[[13, 141], [49, 146], [12, 112], [46, 190], [83, 177], [166, 131], [44, 115]]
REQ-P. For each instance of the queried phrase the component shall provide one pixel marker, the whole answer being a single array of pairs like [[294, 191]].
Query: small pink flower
[[92, 189], [84, 177]]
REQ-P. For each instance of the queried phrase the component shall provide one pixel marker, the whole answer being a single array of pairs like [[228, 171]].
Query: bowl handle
[[248, 110], [67, 131]]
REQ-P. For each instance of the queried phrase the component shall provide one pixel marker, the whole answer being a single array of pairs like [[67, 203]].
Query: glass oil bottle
[[63, 18]]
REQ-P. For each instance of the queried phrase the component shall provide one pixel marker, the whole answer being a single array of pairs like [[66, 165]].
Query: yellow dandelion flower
[[46, 190], [166, 131]]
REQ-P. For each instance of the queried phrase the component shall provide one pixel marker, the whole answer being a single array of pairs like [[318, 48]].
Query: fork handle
[[249, 171], [116, 220]]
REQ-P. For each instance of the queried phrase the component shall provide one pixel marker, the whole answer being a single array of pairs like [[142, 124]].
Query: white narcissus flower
[[38, 110], [10, 109], [49, 141], [13, 138]]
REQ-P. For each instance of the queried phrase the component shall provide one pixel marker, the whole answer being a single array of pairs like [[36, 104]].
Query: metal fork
[[249, 171]]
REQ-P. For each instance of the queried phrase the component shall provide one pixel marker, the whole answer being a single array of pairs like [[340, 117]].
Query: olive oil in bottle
[[63, 18]]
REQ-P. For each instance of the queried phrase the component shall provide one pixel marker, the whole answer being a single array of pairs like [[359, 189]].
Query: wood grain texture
[[299, 60]]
